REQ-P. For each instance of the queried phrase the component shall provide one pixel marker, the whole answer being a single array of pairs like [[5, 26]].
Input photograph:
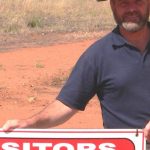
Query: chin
[[131, 26]]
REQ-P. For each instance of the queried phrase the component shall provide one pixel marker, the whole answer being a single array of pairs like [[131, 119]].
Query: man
[[116, 68]]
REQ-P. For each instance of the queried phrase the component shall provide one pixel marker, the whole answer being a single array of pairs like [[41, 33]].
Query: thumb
[[10, 125]]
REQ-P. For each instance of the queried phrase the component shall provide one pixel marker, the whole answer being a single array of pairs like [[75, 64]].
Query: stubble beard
[[132, 26]]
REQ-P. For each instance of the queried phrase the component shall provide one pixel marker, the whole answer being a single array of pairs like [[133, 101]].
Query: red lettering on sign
[[66, 144]]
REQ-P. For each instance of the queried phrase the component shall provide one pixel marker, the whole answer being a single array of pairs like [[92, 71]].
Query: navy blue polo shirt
[[119, 74]]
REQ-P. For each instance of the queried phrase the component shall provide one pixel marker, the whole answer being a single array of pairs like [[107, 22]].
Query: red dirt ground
[[25, 75]]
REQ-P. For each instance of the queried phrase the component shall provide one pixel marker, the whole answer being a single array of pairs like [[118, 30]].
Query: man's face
[[132, 15]]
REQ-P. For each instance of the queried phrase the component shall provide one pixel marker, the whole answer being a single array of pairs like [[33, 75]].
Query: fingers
[[147, 131], [11, 125]]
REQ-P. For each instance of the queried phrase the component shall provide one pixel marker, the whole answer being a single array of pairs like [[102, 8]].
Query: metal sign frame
[[72, 139]]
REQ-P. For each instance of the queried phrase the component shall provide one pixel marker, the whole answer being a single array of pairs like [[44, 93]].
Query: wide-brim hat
[[100, 0]]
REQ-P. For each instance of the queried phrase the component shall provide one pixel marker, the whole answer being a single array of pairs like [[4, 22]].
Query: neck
[[139, 39]]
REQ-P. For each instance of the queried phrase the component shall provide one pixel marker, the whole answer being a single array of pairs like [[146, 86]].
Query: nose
[[132, 7]]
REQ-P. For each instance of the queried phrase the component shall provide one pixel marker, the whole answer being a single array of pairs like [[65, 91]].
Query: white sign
[[72, 139]]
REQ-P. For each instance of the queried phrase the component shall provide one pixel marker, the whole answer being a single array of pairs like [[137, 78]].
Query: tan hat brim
[[100, 0]]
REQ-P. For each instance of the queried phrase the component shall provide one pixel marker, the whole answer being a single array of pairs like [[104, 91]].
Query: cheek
[[118, 14]]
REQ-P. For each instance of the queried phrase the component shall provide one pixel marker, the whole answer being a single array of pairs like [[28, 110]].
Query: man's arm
[[54, 114]]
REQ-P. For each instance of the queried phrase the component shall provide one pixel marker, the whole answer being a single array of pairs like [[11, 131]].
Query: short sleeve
[[81, 85]]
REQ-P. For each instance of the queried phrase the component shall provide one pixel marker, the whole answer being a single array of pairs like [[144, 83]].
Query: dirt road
[[25, 82]]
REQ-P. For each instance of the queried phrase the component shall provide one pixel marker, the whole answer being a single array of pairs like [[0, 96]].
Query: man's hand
[[147, 131], [52, 115], [10, 125]]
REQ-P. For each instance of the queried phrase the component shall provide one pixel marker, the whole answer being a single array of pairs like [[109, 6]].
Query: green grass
[[59, 79], [19, 16], [39, 65]]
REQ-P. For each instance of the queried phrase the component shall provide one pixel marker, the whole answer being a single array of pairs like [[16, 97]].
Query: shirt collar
[[119, 41]]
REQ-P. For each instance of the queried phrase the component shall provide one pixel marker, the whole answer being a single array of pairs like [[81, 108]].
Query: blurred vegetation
[[19, 16]]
